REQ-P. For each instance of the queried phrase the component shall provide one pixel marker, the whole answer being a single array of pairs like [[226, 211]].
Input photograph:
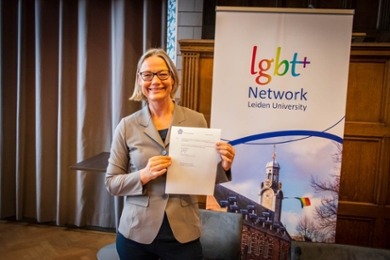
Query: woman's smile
[[157, 88]]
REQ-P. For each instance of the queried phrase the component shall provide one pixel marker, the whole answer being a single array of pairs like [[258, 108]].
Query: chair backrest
[[221, 234], [323, 251]]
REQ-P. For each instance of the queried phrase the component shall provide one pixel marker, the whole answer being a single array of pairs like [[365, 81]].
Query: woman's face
[[157, 89]]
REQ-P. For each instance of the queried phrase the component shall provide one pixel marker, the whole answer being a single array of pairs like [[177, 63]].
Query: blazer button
[[165, 196], [164, 152]]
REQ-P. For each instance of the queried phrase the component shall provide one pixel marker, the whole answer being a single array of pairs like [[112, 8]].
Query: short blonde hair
[[137, 94]]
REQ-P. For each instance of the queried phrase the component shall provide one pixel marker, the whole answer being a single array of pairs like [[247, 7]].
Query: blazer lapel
[[177, 119], [145, 120]]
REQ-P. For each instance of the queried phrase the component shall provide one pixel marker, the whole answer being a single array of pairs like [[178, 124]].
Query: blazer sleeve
[[119, 182], [221, 175]]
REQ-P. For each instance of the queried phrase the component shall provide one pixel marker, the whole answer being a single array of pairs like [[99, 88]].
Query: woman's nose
[[156, 78]]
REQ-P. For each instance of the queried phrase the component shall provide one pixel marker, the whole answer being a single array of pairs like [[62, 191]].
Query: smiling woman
[[154, 224]]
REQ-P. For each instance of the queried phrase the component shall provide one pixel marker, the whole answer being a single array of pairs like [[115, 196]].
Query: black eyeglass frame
[[154, 74]]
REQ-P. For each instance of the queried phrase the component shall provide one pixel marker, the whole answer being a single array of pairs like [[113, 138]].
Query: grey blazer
[[135, 141]]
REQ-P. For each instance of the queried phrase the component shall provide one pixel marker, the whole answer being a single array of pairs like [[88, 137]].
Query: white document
[[194, 160]]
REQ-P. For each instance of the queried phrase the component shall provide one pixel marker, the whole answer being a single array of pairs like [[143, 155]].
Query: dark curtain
[[67, 70]]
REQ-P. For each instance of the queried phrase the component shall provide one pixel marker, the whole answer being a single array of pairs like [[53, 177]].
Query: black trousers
[[164, 247]]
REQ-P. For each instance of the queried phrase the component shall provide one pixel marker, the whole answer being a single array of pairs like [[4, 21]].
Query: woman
[[155, 225]]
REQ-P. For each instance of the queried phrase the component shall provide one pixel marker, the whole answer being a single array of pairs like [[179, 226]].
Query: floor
[[26, 241]]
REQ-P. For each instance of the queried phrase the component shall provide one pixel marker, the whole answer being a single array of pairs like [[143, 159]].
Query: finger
[[160, 172], [228, 152], [155, 162], [227, 159], [158, 166], [224, 146], [160, 160]]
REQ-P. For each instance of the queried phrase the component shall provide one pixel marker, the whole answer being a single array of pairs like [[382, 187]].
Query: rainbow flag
[[304, 201]]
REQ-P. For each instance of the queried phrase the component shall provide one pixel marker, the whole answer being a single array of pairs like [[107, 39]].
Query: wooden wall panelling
[[364, 198], [360, 171], [364, 186], [355, 229], [361, 214]]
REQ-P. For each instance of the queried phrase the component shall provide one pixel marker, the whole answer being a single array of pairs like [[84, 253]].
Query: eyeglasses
[[148, 75]]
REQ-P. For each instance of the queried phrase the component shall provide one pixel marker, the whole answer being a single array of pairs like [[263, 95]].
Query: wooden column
[[197, 74]]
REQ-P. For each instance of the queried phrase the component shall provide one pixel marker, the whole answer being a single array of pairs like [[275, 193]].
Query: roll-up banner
[[279, 95]]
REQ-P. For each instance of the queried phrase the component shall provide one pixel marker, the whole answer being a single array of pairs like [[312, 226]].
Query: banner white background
[[299, 113]]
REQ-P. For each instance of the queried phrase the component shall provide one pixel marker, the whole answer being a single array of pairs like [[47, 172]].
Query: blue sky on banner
[[300, 159]]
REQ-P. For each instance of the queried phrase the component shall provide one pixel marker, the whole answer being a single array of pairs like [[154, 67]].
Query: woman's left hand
[[227, 154]]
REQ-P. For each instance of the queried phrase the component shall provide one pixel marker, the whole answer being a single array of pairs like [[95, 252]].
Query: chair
[[221, 234], [221, 237], [108, 252], [322, 251]]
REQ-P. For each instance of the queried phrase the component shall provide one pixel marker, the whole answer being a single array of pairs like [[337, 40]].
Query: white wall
[[189, 26]]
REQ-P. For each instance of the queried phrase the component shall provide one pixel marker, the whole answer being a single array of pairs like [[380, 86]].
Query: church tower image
[[271, 194]]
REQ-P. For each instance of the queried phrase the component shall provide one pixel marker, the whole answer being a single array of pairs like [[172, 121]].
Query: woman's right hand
[[156, 166]]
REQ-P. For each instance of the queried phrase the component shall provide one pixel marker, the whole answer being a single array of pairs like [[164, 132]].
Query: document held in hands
[[194, 160]]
